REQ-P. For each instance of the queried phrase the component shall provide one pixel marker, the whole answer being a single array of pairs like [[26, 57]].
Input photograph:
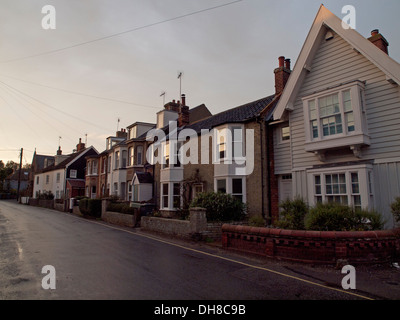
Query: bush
[[395, 208], [256, 221], [338, 217], [293, 214], [46, 195], [90, 207], [121, 208], [220, 206]]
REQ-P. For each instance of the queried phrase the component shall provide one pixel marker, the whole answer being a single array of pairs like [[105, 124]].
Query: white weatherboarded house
[[342, 107]]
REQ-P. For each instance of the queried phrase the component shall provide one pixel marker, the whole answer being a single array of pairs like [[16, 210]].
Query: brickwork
[[313, 246]]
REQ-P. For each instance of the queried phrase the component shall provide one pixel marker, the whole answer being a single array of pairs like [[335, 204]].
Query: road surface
[[95, 260]]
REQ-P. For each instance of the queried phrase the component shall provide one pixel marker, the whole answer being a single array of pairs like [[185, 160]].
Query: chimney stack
[[59, 152], [80, 146], [183, 117], [379, 40], [282, 74]]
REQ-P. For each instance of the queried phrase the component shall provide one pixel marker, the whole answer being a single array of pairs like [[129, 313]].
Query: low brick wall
[[195, 227], [121, 219], [314, 246], [42, 203]]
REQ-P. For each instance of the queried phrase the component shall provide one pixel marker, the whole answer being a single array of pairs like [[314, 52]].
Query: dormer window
[[335, 118]]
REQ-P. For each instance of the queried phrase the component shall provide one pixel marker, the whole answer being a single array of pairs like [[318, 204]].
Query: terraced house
[[337, 124]]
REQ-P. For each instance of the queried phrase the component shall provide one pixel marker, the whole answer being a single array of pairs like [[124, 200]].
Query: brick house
[[177, 184], [340, 114]]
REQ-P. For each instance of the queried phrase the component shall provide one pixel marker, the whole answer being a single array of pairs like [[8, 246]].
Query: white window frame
[[362, 170], [229, 185], [281, 135], [229, 140], [357, 137], [73, 174]]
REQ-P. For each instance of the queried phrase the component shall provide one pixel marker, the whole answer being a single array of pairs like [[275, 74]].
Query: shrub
[[293, 214], [220, 206], [121, 208], [256, 221], [90, 207], [46, 195], [395, 208], [338, 217]]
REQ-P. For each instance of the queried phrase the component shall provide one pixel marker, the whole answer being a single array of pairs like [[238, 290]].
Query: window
[[73, 174], [197, 188], [221, 185], [221, 144], [165, 189], [47, 179], [131, 155], [116, 189], [139, 151], [237, 142], [335, 118], [37, 180], [58, 177], [89, 168], [285, 134], [116, 164], [94, 170], [176, 195], [166, 155], [124, 158], [349, 187], [237, 189], [109, 164]]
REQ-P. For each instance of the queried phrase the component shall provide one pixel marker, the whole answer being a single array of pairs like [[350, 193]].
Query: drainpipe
[[267, 129], [260, 122]]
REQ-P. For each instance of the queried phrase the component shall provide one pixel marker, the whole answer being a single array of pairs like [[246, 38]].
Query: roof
[[326, 19], [239, 114], [63, 164], [15, 175], [144, 177], [76, 183], [39, 160]]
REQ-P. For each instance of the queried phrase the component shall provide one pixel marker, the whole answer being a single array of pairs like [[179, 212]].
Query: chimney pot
[[374, 32], [287, 64], [281, 61], [183, 99], [378, 40]]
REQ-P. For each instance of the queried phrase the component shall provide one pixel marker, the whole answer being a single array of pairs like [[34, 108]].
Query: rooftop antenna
[[180, 74], [163, 95], [59, 141], [85, 139], [118, 124]]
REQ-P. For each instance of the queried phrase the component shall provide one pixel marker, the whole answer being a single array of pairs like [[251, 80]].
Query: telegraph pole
[[19, 174]]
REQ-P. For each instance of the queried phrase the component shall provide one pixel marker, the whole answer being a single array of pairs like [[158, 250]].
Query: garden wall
[[314, 246], [196, 227]]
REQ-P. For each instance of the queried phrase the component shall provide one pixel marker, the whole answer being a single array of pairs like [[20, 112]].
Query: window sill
[[359, 140]]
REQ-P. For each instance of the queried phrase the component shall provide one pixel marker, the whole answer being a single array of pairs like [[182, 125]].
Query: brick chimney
[[183, 117], [172, 106], [59, 151], [80, 146], [282, 74], [379, 40], [122, 134]]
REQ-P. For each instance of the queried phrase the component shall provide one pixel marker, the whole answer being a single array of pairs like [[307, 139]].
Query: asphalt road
[[95, 260]]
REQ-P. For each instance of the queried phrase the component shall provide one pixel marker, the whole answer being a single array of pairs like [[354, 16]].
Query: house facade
[[65, 178], [337, 123]]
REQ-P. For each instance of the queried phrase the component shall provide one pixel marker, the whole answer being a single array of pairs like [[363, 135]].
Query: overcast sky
[[227, 56]]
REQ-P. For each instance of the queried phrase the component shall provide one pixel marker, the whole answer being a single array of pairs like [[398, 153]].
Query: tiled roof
[[144, 177], [239, 114]]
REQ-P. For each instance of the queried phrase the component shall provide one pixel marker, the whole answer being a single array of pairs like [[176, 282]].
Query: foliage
[[256, 221], [338, 217], [46, 195], [121, 208], [395, 208], [293, 214], [220, 206], [90, 207]]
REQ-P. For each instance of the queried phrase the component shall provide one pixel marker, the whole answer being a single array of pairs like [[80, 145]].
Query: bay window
[[348, 186], [336, 118]]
